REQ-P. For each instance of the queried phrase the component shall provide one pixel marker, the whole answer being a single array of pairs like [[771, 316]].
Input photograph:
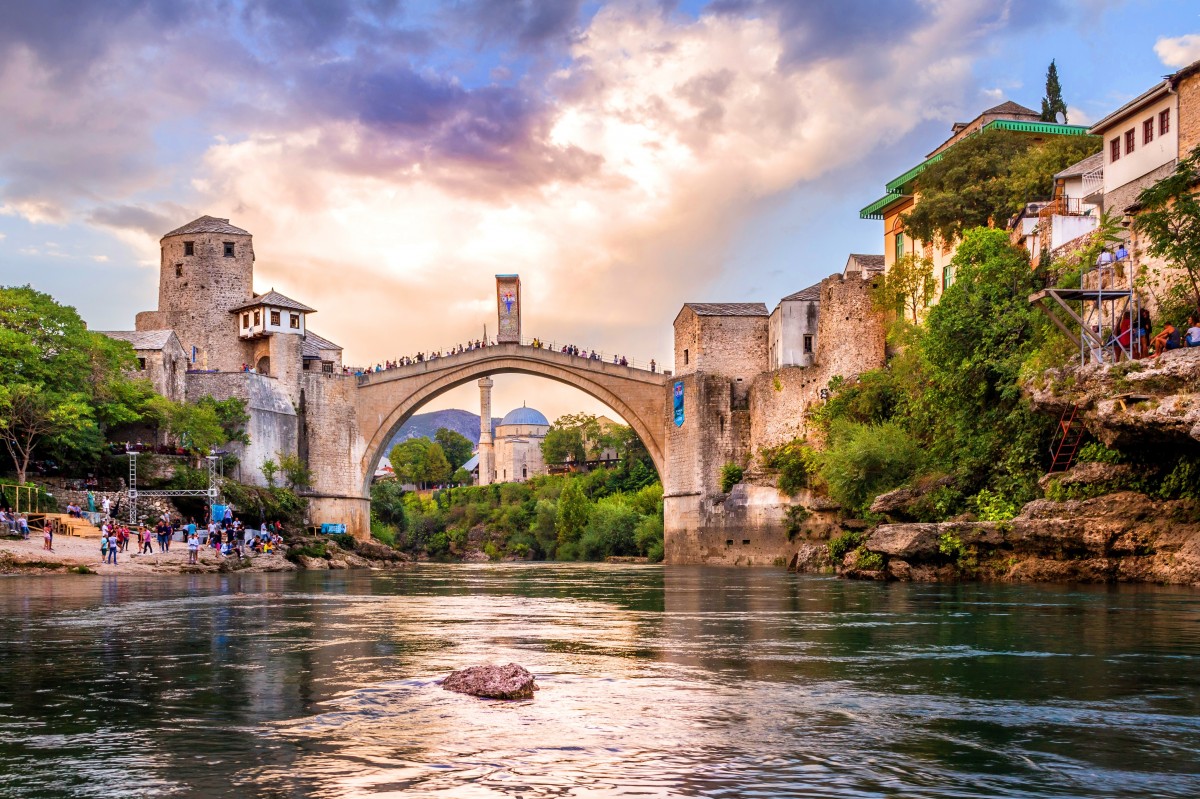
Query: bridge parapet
[[466, 358]]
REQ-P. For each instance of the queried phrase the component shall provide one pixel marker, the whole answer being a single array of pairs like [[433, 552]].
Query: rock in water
[[493, 682]]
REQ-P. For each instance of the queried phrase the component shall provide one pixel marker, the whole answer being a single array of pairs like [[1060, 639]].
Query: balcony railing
[[1093, 181]]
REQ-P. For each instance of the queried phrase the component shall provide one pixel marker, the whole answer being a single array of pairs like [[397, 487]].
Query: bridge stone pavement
[[383, 401]]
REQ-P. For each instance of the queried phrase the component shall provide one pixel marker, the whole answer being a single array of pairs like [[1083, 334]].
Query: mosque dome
[[524, 415]]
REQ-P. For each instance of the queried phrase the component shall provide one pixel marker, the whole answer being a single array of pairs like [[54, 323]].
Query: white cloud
[[1178, 51], [3, 236], [100, 259], [692, 120], [1078, 116]]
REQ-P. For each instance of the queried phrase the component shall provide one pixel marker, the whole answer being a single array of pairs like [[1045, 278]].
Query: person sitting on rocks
[[1167, 339], [1193, 332]]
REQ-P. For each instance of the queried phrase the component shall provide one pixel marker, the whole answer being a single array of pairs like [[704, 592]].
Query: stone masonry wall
[[733, 346], [1189, 114], [331, 430], [273, 422], [851, 337]]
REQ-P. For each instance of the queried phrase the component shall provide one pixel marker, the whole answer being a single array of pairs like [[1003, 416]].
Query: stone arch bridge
[[379, 403]]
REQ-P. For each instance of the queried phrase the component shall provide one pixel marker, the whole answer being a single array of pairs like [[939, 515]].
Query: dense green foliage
[[949, 404], [63, 385], [456, 447], [988, 177], [203, 426], [608, 512], [420, 461]]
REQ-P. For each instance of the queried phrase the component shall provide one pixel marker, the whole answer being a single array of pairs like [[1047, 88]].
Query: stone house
[[903, 192]]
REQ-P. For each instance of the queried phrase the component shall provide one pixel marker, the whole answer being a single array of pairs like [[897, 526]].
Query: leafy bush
[[794, 518], [382, 533], [795, 461], [868, 561], [993, 507], [1095, 452], [864, 461], [951, 546], [731, 475], [610, 531], [840, 545]]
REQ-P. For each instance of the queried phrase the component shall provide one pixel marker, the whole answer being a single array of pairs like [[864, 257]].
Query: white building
[[1141, 143], [792, 328], [518, 445]]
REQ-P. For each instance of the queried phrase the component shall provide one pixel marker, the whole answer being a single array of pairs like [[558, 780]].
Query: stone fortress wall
[[735, 408]]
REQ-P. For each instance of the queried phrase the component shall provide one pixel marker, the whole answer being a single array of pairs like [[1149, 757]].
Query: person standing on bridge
[[653, 366]]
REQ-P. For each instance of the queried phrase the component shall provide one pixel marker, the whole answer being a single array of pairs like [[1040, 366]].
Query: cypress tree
[[1052, 103]]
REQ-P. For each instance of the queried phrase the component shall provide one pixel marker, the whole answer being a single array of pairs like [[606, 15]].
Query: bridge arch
[[387, 399]]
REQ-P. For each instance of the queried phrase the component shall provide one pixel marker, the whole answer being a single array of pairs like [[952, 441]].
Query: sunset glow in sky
[[391, 156]]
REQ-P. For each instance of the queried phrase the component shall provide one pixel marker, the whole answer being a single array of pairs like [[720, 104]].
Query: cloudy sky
[[391, 156]]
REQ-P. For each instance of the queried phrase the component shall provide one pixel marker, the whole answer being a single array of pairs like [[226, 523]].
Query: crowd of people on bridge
[[536, 343]]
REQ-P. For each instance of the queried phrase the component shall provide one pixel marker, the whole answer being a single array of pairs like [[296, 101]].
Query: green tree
[[192, 427], [573, 512], [985, 179], [566, 440], [908, 287], [30, 416], [437, 467], [419, 461], [64, 385], [456, 447], [387, 504], [1052, 103], [270, 469], [295, 471], [1170, 220]]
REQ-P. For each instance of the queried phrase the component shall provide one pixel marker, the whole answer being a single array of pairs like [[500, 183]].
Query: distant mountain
[[427, 424]]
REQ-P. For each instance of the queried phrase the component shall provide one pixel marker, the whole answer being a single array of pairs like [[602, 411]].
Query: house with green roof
[[902, 193]]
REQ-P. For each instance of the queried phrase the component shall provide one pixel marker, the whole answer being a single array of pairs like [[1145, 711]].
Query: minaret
[[487, 455]]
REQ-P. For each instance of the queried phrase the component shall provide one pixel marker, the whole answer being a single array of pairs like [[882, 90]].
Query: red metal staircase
[[1066, 443]]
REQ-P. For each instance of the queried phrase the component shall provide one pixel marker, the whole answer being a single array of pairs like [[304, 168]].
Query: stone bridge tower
[[206, 268]]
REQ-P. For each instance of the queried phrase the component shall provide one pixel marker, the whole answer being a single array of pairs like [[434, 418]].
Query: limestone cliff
[[1130, 404], [1120, 537]]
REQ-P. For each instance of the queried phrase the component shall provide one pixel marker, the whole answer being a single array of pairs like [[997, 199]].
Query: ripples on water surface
[[655, 682]]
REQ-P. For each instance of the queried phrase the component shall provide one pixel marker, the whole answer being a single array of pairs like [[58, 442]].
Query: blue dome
[[524, 416]]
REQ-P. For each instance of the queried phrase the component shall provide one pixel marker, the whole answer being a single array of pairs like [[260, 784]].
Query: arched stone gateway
[[383, 402]]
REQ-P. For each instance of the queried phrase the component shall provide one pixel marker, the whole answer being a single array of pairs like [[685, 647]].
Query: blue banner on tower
[[678, 403]]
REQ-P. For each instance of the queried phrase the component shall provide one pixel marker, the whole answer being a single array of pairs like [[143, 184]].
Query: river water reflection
[[655, 682]]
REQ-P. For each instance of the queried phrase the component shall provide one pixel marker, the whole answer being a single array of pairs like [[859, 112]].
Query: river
[[655, 682]]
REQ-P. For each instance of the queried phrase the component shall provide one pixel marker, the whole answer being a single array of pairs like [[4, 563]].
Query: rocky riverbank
[[82, 555]]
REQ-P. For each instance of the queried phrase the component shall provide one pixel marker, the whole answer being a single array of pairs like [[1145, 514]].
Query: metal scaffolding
[[212, 493], [1106, 297]]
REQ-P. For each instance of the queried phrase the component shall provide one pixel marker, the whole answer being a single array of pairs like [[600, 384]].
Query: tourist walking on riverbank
[[48, 538], [144, 535], [112, 547], [193, 545]]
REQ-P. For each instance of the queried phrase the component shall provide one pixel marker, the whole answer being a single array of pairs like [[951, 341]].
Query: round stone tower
[[207, 269]]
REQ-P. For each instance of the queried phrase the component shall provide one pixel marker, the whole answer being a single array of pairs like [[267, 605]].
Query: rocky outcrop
[[493, 682], [1133, 403], [904, 504], [1120, 537]]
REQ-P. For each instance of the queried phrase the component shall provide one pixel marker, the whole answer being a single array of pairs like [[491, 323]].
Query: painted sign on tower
[[508, 308]]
